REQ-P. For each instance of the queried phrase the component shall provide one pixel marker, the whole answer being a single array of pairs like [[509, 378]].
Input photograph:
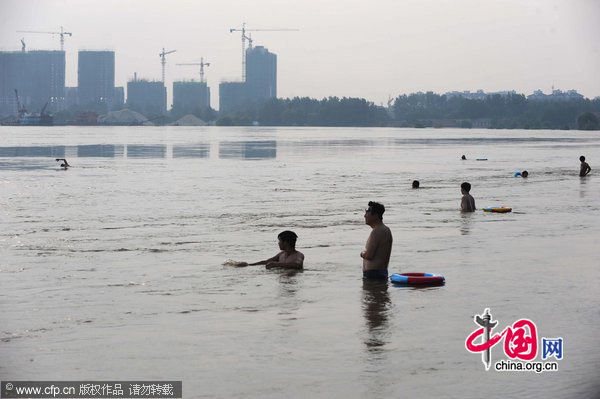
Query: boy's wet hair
[[288, 236], [525, 173], [582, 158], [376, 209], [415, 184], [466, 186]]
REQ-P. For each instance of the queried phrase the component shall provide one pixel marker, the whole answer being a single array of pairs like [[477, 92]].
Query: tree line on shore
[[496, 111], [510, 111]]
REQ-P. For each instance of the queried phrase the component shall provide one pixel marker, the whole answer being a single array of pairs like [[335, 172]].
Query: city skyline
[[341, 49]]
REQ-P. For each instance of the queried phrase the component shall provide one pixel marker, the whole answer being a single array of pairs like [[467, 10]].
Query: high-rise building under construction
[[38, 76], [261, 73], [190, 96], [260, 84], [147, 97], [232, 96], [96, 77]]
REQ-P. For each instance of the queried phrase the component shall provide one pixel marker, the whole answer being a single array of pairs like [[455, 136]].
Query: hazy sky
[[371, 49]]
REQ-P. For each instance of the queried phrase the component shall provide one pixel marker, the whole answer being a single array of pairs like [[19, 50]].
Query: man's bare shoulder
[[381, 231], [297, 255]]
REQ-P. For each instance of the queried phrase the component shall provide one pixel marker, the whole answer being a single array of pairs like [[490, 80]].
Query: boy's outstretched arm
[[264, 262]]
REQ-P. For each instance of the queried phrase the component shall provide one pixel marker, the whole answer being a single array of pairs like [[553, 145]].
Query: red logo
[[520, 339]]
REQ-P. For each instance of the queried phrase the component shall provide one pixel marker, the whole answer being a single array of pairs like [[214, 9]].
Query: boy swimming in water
[[467, 204], [288, 258], [585, 168]]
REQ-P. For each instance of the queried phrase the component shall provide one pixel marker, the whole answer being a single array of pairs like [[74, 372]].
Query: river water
[[113, 269]]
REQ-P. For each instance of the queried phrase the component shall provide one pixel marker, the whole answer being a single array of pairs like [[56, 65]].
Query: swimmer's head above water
[[65, 164], [287, 237]]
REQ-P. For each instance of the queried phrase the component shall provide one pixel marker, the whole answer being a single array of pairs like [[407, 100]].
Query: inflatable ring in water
[[417, 279], [498, 209]]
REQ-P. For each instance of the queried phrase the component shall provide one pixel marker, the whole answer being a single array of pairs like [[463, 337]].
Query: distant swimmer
[[463, 157], [376, 255], [288, 258], [415, 184], [523, 174], [65, 164], [585, 168], [467, 204]]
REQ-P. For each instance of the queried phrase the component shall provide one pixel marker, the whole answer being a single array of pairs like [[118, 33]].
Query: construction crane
[[21, 110], [202, 65], [62, 34], [163, 61], [249, 38]]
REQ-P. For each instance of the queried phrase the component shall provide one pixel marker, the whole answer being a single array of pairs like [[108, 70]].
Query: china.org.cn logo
[[520, 342]]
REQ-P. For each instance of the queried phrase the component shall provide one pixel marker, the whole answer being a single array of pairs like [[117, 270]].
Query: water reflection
[[25, 165], [265, 149], [261, 149], [287, 292], [191, 151], [465, 223], [36, 151], [100, 150], [486, 140], [376, 304], [340, 143], [146, 151], [288, 284], [582, 187]]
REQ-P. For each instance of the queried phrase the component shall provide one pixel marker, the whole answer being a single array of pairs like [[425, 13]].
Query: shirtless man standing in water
[[376, 255]]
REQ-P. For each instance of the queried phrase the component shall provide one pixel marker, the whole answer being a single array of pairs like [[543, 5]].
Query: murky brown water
[[113, 270]]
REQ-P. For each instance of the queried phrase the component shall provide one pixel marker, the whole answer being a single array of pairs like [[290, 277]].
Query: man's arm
[[264, 262], [371, 248]]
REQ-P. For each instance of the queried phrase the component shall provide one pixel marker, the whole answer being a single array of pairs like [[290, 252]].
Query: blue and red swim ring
[[417, 279]]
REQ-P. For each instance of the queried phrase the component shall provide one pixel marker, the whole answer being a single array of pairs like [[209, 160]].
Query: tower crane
[[163, 61], [21, 110], [249, 38], [62, 34], [202, 65]]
